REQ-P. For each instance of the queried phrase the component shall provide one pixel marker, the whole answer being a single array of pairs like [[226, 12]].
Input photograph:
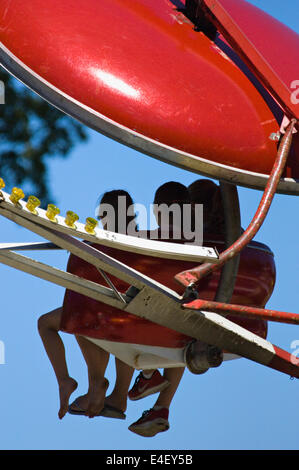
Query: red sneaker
[[144, 387], [151, 422]]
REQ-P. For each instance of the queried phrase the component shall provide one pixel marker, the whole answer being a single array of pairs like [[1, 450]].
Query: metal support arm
[[192, 277]]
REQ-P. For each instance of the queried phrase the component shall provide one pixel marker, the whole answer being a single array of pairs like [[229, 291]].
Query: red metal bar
[[193, 276], [243, 310]]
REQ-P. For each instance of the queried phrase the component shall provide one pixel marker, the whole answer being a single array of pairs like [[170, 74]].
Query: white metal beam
[[135, 244]]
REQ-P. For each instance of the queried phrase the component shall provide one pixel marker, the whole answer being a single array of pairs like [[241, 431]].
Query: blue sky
[[241, 405]]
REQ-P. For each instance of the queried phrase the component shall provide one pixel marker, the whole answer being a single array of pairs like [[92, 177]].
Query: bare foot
[[97, 393], [117, 401], [80, 404], [66, 388]]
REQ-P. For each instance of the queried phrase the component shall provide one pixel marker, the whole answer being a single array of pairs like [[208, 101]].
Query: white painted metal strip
[[129, 243], [28, 246], [208, 327], [61, 278], [91, 255]]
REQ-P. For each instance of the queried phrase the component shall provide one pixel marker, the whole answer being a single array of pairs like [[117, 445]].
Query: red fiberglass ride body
[[139, 72], [85, 316]]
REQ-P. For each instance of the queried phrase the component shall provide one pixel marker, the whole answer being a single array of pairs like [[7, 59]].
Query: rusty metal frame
[[244, 311], [192, 277]]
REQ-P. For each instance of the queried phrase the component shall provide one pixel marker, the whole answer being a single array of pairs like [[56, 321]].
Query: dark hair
[[206, 192], [111, 198], [202, 191], [172, 193]]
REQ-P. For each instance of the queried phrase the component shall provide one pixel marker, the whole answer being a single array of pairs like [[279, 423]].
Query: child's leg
[[174, 376], [48, 327], [119, 394], [96, 359]]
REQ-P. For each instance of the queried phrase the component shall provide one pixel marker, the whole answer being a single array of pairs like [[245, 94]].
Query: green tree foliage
[[32, 131]]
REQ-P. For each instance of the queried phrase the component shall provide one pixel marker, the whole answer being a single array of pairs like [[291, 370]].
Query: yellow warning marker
[[16, 195], [71, 218], [2, 184], [52, 211], [32, 204], [91, 225]]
